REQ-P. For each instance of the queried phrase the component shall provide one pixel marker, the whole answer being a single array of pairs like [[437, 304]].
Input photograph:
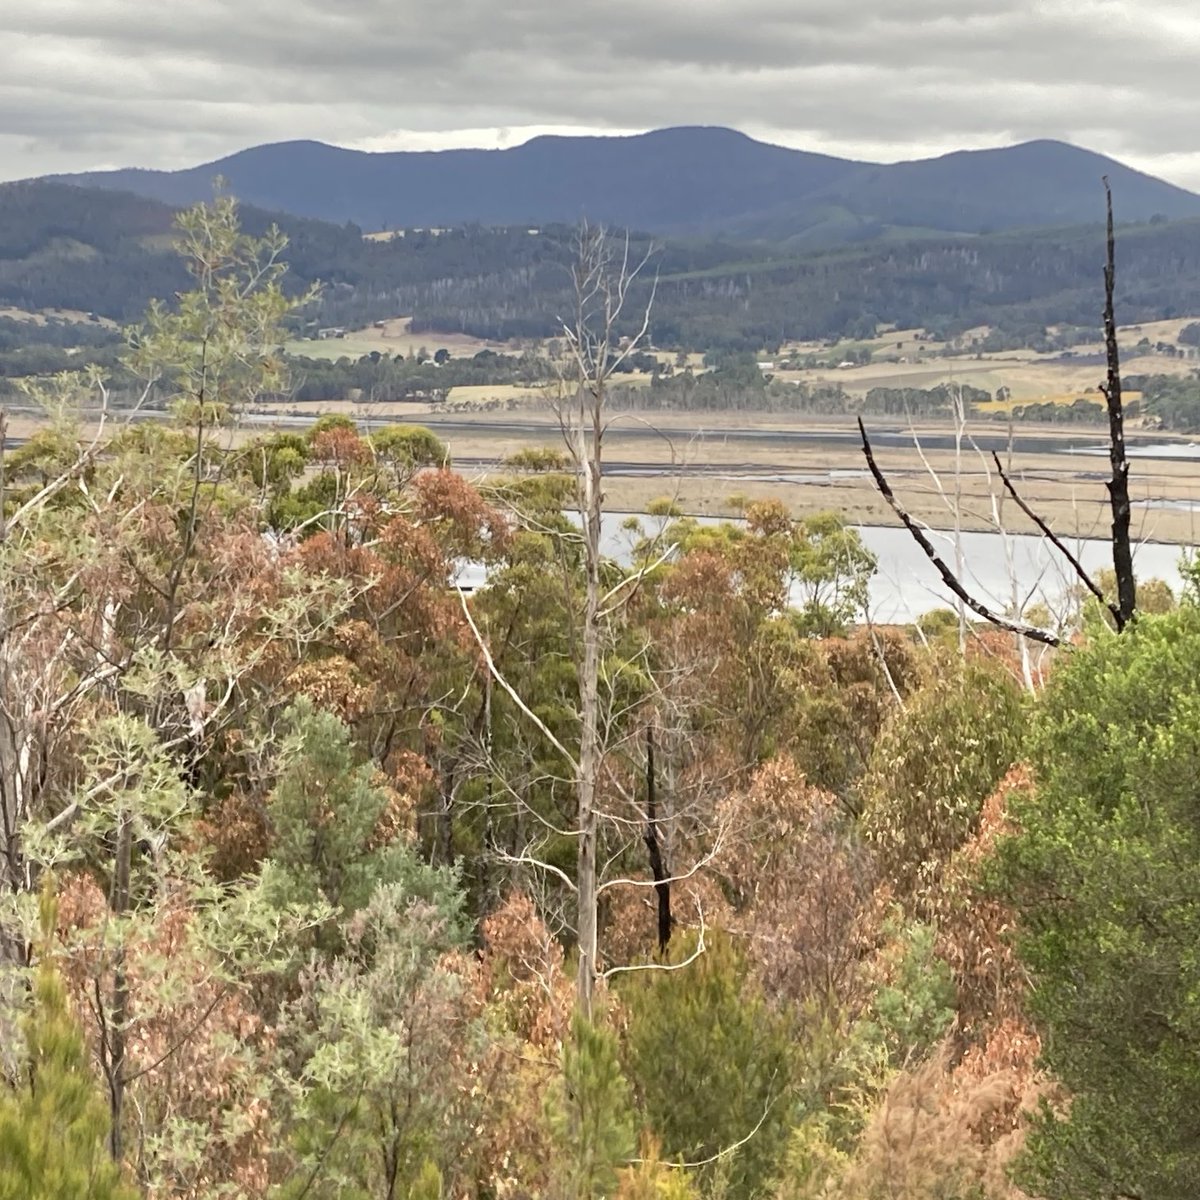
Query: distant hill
[[682, 181], [110, 252]]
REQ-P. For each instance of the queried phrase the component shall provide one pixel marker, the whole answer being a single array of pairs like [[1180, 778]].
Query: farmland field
[[391, 337]]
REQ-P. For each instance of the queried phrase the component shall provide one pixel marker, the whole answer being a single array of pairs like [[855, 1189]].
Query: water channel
[[906, 584]]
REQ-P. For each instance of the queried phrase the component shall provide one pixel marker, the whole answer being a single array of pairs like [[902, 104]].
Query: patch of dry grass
[[394, 336]]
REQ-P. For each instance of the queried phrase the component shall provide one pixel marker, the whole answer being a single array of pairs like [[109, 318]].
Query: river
[[906, 584]]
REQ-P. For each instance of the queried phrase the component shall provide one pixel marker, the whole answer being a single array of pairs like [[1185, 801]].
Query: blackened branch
[[948, 577], [1078, 567]]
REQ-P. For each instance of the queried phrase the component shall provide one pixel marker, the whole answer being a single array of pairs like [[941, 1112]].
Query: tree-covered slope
[[109, 253]]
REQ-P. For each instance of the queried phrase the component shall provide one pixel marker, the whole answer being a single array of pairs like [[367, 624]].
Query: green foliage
[[273, 462], [1153, 597], [536, 459], [705, 1032], [663, 506], [216, 351], [53, 1122], [589, 1109], [428, 1184], [942, 400], [831, 572], [407, 446], [325, 812], [915, 1005], [813, 1159], [652, 1179], [1172, 401], [816, 569], [374, 1109], [934, 764], [1104, 873], [939, 625]]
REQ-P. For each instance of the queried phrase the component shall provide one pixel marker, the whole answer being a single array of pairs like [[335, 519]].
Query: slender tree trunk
[[13, 950], [119, 905], [445, 832], [489, 832], [589, 704], [662, 888], [960, 421]]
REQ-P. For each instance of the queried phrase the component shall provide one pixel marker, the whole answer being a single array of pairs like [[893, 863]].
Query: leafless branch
[[948, 576], [1053, 538], [512, 692]]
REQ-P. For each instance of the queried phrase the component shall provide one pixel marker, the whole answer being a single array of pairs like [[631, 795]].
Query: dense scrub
[[289, 839]]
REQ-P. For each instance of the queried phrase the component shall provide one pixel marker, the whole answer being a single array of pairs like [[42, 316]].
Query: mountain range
[[687, 181]]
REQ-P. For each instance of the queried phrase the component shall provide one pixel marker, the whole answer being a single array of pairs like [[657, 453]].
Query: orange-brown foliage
[[195, 1048]]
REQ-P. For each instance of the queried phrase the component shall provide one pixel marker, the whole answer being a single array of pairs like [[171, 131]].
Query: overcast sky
[[87, 84]]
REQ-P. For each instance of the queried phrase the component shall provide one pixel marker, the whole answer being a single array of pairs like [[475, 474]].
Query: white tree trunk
[[589, 687]]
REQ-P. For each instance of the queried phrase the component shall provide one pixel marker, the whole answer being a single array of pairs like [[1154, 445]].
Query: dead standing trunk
[[658, 871], [117, 1034], [1124, 609], [589, 701], [602, 283], [1118, 485]]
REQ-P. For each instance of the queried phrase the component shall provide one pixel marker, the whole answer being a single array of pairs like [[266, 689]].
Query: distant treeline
[[1171, 402], [380, 378], [109, 253], [28, 348], [1079, 412]]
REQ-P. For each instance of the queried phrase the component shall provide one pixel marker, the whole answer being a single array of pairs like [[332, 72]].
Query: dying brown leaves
[[974, 930], [803, 886], [198, 1109], [929, 1137]]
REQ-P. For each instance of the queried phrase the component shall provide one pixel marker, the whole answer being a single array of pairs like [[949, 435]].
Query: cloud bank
[[87, 84]]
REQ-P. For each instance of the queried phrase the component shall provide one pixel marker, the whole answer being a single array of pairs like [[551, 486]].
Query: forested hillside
[[110, 254], [323, 879]]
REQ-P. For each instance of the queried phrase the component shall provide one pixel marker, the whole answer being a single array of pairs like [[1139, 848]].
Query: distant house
[[766, 366]]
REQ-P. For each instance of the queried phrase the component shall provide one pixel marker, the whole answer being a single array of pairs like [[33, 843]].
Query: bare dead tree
[[1118, 486], [1123, 610], [662, 884], [948, 576], [602, 287], [1057, 542], [630, 827]]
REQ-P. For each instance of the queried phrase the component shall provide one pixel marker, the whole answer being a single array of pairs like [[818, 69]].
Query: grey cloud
[[87, 83]]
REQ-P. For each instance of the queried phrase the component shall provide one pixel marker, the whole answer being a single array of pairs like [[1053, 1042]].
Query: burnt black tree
[[662, 881], [1124, 609], [1118, 486]]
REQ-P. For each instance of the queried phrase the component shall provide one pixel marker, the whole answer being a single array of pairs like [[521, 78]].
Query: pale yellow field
[[1156, 331], [395, 336], [62, 314], [1061, 398], [483, 393], [1030, 380]]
